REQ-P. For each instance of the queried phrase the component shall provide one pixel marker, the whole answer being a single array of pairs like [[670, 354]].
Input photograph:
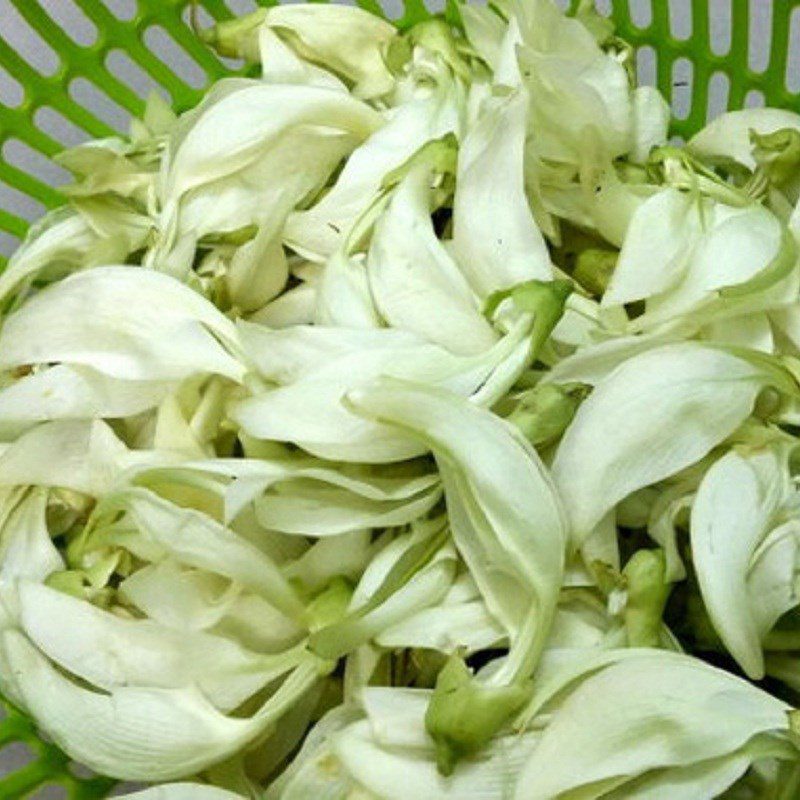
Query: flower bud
[[463, 714]]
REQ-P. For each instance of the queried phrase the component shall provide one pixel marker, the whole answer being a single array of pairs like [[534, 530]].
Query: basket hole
[[11, 92], [32, 162], [436, 6], [122, 9], [167, 49], [646, 66], [17, 754], [760, 35], [8, 244], [87, 95], [52, 791], [73, 22], [719, 87], [128, 787], [394, 9], [682, 76], [562, 4], [27, 43], [604, 7], [754, 99], [241, 7], [198, 15], [793, 60], [126, 70], [720, 27], [81, 771], [58, 127], [20, 204], [641, 13], [680, 18]]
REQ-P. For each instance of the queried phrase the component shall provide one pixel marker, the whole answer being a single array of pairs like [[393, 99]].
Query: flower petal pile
[[412, 419]]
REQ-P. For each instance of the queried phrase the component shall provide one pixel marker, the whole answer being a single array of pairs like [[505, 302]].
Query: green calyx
[[647, 594], [794, 725], [343, 633], [232, 38], [777, 154], [544, 412], [602, 28], [77, 583], [330, 605], [463, 714], [594, 268], [678, 168], [545, 300], [434, 35], [440, 156]]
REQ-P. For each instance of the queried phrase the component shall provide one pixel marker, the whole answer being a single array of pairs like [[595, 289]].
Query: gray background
[[16, 32]]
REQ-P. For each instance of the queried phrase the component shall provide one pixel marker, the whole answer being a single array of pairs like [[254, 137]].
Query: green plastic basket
[[75, 69]]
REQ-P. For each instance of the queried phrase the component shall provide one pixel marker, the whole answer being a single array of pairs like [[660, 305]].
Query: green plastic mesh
[[106, 55]]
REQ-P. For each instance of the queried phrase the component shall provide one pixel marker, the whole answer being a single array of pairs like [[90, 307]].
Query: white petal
[[66, 391], [310, 412], [243, 120], [319, 232], [729, 518], [110, 652], [26, 549], [181, 791], [396, 774], [657, 413], [416, 285], [651, 118], [506, 518], [729, 134], [344, 39], [655, 251], [645, 713], [90, 457], [496, 241], [127, 322], [137, 733], [194, 538], [343, 295]]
